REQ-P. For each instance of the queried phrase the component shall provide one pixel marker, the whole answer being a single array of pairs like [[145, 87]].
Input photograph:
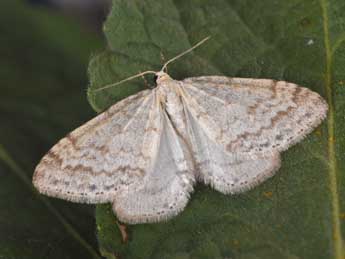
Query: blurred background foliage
[[44, 50]]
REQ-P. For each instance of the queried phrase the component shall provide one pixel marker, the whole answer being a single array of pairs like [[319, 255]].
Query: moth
[[145, 153]]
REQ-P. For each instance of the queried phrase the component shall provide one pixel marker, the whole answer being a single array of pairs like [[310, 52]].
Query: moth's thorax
[[167, 89], [162, 77], [169, 93]]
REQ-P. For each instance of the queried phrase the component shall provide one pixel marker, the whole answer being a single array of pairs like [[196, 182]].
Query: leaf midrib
[[337, 235]]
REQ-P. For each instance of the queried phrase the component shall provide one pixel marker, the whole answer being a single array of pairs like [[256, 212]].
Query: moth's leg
[[146, 83]]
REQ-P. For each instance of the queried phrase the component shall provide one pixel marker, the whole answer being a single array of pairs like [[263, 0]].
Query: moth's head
[[161, 77]]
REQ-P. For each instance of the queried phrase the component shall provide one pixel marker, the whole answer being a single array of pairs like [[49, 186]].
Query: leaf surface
[[299, 213]]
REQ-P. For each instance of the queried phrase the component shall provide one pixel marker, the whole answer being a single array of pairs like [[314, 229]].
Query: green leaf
[[42, 69], [300, 212]]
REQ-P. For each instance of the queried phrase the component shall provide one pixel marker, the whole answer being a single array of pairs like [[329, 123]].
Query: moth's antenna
[[184, 53], [125, 80], [153, 72]]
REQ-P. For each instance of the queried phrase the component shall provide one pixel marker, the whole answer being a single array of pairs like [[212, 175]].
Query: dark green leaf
[[299, 213]]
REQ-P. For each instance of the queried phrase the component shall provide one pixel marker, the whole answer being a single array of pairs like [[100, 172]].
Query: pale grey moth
[[145, 153]]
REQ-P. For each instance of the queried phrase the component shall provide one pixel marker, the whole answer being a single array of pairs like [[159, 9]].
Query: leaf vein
[[337, 235]]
